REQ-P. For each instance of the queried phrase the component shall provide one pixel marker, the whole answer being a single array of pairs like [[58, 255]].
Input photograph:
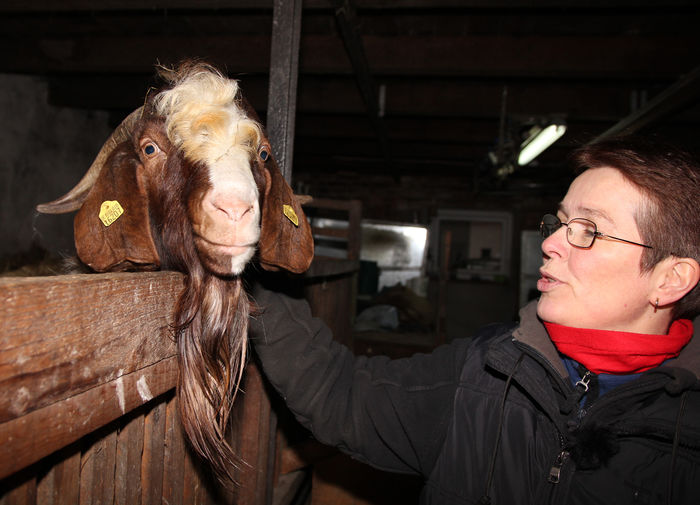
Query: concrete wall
[[45, 150]]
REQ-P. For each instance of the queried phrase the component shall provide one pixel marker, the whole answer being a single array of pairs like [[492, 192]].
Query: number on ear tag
[[291, 215], [110, 210]]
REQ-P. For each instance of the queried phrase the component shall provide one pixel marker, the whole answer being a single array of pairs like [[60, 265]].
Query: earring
[[656, 306]]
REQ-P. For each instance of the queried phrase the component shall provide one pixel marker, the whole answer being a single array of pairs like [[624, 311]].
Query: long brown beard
[[211, 324]]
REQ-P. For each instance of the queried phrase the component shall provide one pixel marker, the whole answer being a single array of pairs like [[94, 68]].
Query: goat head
[[205, 144], [188, 182]]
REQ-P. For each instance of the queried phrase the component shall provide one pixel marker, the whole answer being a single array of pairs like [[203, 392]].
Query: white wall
[[44, 152]]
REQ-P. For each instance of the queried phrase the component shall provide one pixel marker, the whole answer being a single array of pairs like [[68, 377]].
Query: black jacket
[[494, 419]]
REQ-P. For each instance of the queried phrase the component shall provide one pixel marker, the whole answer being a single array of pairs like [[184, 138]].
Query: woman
[[593, 397]]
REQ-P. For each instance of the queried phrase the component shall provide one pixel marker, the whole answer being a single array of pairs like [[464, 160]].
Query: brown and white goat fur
[[199, 193]]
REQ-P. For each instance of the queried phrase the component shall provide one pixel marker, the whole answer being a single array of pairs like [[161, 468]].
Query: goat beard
[[211, 328]]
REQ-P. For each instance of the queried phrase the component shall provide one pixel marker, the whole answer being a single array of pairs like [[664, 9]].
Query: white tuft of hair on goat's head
[[188, 182], [204, 116]]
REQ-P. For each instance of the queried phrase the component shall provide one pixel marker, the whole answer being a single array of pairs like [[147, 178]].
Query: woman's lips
[[546, 282]]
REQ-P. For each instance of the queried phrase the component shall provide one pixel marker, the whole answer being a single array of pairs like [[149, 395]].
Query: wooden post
[[282, 92]]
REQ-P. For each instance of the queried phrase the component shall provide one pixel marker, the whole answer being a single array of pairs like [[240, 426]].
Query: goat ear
[[112, 228], [285, 235]]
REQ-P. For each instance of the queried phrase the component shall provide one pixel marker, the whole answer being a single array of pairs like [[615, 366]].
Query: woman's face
[[601, 287]]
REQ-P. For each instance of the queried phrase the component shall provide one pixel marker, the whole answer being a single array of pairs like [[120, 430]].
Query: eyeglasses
[[580, 232]]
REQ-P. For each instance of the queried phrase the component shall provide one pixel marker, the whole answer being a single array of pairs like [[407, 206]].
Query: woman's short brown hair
[[670, 180]]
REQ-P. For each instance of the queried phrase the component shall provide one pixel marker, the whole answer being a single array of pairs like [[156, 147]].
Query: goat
[[187, 182]]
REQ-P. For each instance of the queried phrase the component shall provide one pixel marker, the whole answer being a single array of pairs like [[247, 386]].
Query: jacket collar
[[532, 333]]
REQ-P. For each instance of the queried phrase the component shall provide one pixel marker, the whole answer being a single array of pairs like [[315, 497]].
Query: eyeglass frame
[[596, 233]]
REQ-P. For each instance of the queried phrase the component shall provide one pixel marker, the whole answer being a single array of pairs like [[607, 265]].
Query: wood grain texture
[[41, 432], [64, 335], [153, 453], [173, 456], [61, 484], [77, 352]]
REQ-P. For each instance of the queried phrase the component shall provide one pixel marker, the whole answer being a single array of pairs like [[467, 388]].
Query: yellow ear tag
[[291, 215], [110, 210]]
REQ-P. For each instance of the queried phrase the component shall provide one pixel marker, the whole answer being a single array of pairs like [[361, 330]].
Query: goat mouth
[[221, 248]]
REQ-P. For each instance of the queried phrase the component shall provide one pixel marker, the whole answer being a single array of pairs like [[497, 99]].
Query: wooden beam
[[41, 432], [683, 92], [282, 94], [349, 29], [558, 57], [72, 343], [135, 5], [82, 324]]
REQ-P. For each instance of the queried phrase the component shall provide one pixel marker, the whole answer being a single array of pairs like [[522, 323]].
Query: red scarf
[[619, 352]]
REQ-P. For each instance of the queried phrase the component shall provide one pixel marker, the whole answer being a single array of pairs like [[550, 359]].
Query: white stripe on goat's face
[[204, 121]]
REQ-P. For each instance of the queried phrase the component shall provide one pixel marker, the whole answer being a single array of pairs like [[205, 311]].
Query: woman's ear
[[676, 277]]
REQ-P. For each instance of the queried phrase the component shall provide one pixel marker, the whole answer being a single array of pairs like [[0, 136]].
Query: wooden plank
[[97, 470], [173, 456], [63, 335], [153, 455], [191, 493], [254, 441], [128, 485], [61, 484], [23, 494], [41, 432]]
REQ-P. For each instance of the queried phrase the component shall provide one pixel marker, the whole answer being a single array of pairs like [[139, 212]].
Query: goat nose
[[234, 210]]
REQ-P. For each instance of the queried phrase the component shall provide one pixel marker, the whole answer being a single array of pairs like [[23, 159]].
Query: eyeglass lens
[[579, 232], [550, 223]]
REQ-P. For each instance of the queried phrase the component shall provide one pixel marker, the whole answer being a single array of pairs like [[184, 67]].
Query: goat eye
[[149, 149], [264, 153]]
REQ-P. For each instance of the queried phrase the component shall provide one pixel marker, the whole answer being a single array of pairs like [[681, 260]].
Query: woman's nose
[[556, 243]]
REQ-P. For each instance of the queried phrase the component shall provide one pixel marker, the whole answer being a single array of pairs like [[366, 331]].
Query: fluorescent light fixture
[[540, 140]]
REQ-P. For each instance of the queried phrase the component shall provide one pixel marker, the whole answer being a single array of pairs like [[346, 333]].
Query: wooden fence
[[87, 406]]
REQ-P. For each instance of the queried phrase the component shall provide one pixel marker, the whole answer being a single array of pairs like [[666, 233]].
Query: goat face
[[219, 192], [194, 145]]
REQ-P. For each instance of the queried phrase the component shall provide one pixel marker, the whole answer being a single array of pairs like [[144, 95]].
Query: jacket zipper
[[555, 471]]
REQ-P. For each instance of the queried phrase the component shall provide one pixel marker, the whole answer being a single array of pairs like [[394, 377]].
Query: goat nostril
[[242, 213], [233, 211]]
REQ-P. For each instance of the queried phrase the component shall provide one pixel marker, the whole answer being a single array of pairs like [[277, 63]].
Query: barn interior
[[403, 119]]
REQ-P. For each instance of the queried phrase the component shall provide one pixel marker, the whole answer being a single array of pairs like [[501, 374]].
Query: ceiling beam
[[137, 5], [682, 93], [478, 56], [601, 101], [348, 27]]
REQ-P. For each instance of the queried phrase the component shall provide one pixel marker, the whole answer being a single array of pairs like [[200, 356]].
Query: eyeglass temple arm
[[599, 234]]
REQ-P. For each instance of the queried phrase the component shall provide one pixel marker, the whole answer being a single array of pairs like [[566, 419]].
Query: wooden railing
[[87, 406]]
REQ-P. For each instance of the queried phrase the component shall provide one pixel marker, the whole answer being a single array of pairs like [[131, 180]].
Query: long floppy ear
[[286, 240], [112, 228]]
